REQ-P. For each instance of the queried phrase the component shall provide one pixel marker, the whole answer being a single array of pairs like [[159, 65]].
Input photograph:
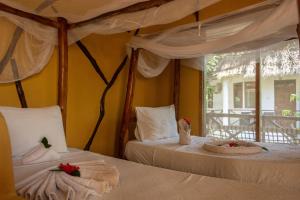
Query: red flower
[[69, 169], [187, 120], [233, 144]]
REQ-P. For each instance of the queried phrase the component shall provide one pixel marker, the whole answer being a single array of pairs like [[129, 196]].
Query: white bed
[[279, 166], [139, 181]]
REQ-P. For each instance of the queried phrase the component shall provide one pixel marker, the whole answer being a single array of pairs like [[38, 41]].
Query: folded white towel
[[40, 154], [96, 178]]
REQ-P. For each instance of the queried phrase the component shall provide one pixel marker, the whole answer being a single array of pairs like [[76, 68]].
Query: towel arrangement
[[40, 154], [184, 126], [96, 178]]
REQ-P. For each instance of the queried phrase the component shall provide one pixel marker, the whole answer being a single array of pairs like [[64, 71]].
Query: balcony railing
[[240, 124]]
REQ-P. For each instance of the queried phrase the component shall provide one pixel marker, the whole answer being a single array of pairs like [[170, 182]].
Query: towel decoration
[[96, 178], [237, 144], [40, 153], [184, 131], [233, 147]]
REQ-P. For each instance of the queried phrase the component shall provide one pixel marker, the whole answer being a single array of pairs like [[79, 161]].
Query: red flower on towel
[[233, 144], [187, 120], [70, 169]]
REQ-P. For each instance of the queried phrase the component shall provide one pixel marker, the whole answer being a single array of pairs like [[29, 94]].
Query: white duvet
[[141, 182], [278, 166]]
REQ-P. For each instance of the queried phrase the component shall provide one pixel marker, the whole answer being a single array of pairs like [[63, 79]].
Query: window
[[233, 112], [250, 94], [238, 95]]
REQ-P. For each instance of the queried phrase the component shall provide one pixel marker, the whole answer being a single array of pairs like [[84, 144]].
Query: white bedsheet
[[143, 182], [279, 166]]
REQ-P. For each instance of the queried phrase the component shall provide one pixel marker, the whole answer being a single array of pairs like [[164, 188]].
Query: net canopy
[[26, 46], [241, 35]]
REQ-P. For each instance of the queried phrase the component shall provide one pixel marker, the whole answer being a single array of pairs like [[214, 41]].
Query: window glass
[[238, 95], [232, 113]]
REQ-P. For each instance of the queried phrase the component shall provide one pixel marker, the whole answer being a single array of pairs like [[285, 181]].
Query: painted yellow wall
[[85, 87]]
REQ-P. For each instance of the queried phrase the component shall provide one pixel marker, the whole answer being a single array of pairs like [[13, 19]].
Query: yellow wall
[[85, 87]]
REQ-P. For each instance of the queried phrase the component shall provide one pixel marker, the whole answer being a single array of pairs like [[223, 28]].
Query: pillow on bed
[[27, 126], [155, 123]]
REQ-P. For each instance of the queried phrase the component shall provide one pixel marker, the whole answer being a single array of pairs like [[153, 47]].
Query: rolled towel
[[184, 132], [40, 154]]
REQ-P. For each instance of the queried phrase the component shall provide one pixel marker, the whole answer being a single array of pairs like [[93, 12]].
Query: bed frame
[[62, 26], [128, 122]]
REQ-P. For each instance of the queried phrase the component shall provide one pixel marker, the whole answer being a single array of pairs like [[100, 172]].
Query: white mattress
[[139, 181], [279, 166]]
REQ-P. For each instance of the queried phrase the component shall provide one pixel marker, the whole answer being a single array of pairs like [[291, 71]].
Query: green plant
[[286, 113], [210, 70]]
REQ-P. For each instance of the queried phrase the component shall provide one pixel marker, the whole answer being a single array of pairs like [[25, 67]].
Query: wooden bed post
[[124, 133], [257, 102], [63, 67], [176, 89], [298, 26]]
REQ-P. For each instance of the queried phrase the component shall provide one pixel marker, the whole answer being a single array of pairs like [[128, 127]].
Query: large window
[[233, 113]]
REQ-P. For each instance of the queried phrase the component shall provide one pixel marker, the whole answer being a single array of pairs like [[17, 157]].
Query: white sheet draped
[[35, 45], [255, 29]]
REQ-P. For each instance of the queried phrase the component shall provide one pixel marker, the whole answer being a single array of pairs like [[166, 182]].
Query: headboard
[[128, 122]]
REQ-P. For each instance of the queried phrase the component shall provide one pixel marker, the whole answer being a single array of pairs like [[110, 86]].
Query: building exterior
[[231, 93]]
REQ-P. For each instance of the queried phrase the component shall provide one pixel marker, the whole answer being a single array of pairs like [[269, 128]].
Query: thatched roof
[[281, 59]]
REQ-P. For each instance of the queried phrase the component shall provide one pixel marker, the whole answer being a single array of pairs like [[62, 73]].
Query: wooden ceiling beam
[[130, 9], [37, 18]]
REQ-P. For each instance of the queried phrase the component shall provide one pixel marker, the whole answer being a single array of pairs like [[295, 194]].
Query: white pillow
[[27, 126], [156, 123]]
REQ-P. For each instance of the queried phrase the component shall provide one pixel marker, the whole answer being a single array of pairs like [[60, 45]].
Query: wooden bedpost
[[124, 133], [298, 26], [257, 102], [63, 67], [176, 89]]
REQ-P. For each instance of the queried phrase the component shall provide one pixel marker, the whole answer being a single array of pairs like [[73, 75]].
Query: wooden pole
[[298, 26], [18, 84], [37, 18], [130, 9], [257, 102], [124, 134], [63, 67], [201, 103], [176, 89]]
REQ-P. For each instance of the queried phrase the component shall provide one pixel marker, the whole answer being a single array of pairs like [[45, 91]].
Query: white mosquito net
[[245, 32], [26, 46]]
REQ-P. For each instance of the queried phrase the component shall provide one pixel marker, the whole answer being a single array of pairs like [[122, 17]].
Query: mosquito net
[[245, 32], [26, 46]]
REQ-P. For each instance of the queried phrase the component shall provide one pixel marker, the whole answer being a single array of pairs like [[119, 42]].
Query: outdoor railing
[[241, 125]]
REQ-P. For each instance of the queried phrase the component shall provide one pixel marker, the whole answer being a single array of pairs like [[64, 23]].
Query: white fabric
[[39, 154], [96, 178], [253, 30], [77, 10], [279, 166], [35, 46], [155, 123], [27, 127], [139, 181]]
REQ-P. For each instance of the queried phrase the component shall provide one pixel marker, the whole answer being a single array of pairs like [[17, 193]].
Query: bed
[[138, 181], [278, 166]]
